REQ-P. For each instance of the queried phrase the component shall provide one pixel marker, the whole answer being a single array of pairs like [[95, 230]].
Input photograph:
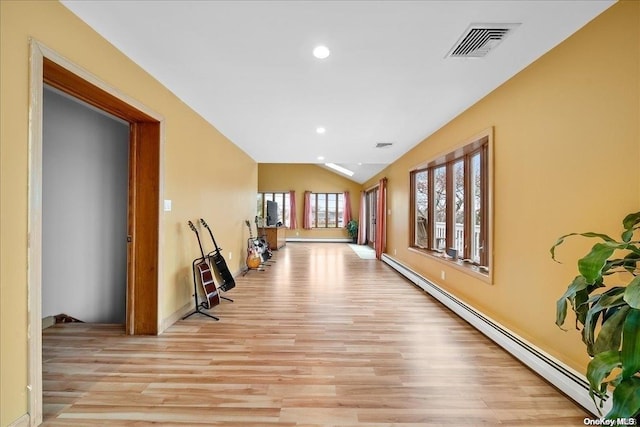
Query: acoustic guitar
[[228, 281], [253, 251], [206, 276]]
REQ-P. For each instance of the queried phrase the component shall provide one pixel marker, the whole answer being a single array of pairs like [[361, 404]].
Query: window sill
[[467, 268]]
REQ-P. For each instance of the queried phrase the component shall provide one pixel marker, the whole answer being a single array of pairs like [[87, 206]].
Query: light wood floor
[[322, 338]]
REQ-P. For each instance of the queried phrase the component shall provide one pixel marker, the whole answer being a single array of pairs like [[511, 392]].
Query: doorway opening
[[85, 161], [143, 201]]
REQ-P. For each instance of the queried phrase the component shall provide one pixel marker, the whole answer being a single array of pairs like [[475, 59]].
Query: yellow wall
[[308, 177], [204, 174], [567, 144]]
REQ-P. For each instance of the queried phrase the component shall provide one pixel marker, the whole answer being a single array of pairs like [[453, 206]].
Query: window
[[449, 204], [327, 210], [282, 199]]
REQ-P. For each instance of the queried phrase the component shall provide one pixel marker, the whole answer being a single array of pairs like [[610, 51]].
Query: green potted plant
[[608, 316], [352, 230]]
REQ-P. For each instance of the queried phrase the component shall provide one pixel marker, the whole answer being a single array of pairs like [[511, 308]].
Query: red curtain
[[362, 221], [293, 223], [346, 214], [306, 219], [381, 222]]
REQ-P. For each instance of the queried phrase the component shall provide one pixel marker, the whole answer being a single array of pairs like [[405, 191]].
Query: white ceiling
[[247, 67]]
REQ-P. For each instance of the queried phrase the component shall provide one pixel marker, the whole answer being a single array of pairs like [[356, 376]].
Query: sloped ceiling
[[247, 66]]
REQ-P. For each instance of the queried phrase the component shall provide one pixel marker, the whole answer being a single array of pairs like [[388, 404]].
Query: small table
[[276, 236]]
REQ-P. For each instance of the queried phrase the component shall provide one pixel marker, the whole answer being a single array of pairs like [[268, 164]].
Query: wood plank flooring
[[321, 338]]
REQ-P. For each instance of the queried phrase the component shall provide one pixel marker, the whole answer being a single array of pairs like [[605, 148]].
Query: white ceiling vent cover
[[479, 39]]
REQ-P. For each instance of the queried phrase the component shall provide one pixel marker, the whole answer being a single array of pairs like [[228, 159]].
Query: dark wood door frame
[[144, 194]]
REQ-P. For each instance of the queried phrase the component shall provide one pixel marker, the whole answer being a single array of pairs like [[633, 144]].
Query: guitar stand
[[247, 269], [199, 305]]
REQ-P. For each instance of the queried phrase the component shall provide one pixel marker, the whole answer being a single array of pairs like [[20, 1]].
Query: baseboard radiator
[[566, 379]]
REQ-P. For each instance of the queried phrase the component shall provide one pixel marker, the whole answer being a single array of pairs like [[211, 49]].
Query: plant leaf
[[579, 307], [631, 262], [579, 283], [589, 234], [632, 293], [631, 220], [591, 265], [611, 298], [588, 331], [630, 353], [627, 236], [610, 336], [599, 368], [626, 399], [628, 263]]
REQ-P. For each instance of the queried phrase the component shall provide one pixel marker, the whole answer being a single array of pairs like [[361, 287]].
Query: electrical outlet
[[394, 251], [230, 255], [442, 275]]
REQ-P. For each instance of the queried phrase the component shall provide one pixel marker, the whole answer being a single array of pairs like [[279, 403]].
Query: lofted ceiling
[[247, 66]]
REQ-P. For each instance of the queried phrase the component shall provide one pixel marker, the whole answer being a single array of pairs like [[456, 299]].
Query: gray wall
[[84, 211]]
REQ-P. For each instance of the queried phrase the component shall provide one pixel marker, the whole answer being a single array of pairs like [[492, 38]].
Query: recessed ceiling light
[[320, 157], [321, 52], [320, 130]]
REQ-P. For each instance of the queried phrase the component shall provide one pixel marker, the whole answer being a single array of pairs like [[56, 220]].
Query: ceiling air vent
[[479, 39], [384, 144]]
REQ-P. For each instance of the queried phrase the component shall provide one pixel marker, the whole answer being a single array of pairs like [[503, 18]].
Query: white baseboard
[[566, 379], [311, 239], [48, 322], [23, 421], [184, 310], [177, 315]]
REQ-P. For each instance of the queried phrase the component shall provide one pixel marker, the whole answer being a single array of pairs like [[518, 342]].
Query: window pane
[[260, 204], [332, 207], [458, 176], [322, 210], [267, 197], [475, 189], [421, 181], [340, 210], [282, 199], [279, 198], [327, 209], [285, 209], [450, 204], [440, 207]]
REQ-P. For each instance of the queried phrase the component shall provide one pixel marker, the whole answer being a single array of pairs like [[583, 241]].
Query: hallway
[[321, 338]]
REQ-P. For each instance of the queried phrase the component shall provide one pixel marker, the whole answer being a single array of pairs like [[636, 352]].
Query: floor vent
[[479, 39]]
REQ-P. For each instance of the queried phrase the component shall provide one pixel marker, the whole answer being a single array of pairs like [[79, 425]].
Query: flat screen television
[[272, 212]]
